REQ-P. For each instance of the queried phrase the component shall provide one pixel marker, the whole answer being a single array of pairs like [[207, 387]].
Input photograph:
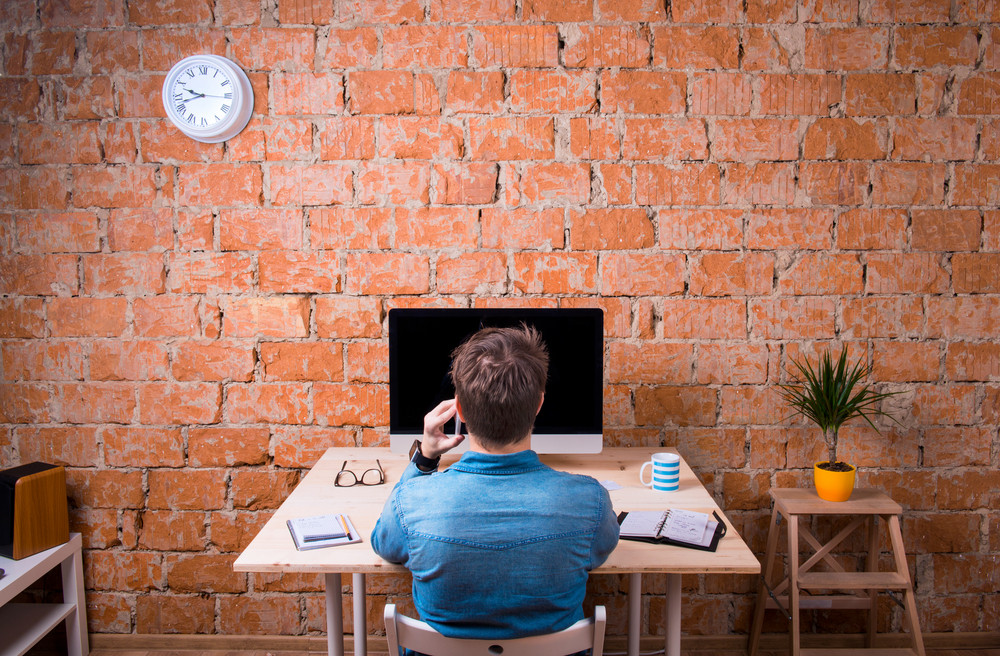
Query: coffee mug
[[666, 476]]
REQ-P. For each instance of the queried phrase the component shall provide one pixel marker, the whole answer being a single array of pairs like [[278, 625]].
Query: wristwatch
[[422, 462]]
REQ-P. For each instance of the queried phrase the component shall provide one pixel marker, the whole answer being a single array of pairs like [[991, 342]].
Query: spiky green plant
[[832, 394]]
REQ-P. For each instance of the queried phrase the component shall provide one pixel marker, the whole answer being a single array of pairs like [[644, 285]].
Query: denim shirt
[[499, 545]]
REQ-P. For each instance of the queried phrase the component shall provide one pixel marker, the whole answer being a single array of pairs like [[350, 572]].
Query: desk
[[272, 549]]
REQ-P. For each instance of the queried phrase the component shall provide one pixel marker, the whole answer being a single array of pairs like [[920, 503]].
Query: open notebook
[[682, 528]]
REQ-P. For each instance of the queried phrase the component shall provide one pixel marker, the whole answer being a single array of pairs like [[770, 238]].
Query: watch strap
[[422, 462]]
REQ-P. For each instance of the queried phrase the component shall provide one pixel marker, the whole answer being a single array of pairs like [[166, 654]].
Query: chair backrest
[[403, 631]]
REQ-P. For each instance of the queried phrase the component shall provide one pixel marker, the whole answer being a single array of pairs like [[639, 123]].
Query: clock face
[[202, 95], [208, 98]]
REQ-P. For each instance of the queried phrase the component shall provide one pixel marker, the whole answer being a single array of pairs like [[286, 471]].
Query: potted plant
[[830, 395]]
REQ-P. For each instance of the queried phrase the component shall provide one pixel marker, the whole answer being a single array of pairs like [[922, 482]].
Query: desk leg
[[334, 616], [672, 647], [77, 641], [360, 615], [634, 612]]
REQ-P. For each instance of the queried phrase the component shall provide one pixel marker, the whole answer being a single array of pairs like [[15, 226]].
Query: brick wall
[[187, 326]]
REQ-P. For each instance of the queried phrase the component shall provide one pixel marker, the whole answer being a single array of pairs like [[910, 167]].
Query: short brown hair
[[499, 376]]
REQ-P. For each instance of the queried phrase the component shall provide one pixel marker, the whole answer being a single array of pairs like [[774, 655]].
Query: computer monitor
[[420, 345]]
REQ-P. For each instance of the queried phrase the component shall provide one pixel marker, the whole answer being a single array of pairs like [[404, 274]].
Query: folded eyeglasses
[[347, 478]]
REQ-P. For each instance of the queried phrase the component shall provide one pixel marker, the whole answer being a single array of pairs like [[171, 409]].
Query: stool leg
[[793, 582], [872, 566], [758, 611], [909, 600]]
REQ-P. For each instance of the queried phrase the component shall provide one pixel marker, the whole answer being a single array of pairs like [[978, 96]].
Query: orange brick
[[57, 232], [643, 92], [770, 11], [727, 94], [789, 228], [132, 186], [669, 405], [140, 230], [351, 228], [393, 273], [207, 273], [943, 405], [522, 229], [680, 47], [896, 361], [923, 138], [835, 183], [302, 361], [908, 183], [976, 273], [808, 317], [125, 571], [945, 230], [36, 188], [166, 316], [87, 317], [351, 48], [163, 47], [393, 181], [60, 143], [75, 446], [755, 139], [113, 50], [417, 137], [846, 138], [312, 184], [524, 46], [689, 184], [616, 183], [52, 52], [351, 405], [292, 272], [976, 184], [650, 362], [476, 92], [759, 183], [882, 317], [612, 229], [799, 94], [472, 273], [220, 184], [704, 318], [269, 615], [555, 273], [727, 274], [348, 316], [368, 362], [256, 403], [691, 11], [22, 317], [165, 530], [39, 275], [461, 183], [128, 360], [973, 362], [728, 364], [881, 94], [641, 274], [274, 49], [221, 360], [603, 46], [875, 229], [297, 446], [823, 274], [507, 138], [227, 447], [908, 11], [89, 98], [124, 273], [174, 613], [594, 138], [846, 48], [273, 316], [382, 92], [925, 46], [425, 46], [902, 273], [135, 446], [348, 137], [180, 403], [708, 229]]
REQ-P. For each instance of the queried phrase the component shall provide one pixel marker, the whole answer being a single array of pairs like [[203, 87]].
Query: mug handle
[[642, 470]]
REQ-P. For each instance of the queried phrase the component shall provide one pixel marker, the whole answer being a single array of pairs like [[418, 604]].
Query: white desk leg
[[77, 642], [334, 616], [673, 628], [360, 616], [634, 612]]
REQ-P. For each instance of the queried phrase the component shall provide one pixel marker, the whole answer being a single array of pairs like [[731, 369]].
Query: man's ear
[[458, 409], [540, 402]]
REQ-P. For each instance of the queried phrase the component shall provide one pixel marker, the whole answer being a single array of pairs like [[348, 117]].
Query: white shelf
[[25, 624], [22, 625]]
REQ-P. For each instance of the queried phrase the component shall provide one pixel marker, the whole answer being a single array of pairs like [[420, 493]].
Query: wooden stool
[[860, 588]]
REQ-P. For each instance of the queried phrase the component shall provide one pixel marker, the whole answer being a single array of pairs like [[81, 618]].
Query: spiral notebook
[[681, 528], [322, 531]]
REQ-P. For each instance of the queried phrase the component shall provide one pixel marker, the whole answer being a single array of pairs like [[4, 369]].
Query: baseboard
[[771, 641]]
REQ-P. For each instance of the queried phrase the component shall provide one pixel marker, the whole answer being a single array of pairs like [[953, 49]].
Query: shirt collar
[[474, 462]]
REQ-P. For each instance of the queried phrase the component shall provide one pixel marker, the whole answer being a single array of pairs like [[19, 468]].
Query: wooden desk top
[[272, 549]]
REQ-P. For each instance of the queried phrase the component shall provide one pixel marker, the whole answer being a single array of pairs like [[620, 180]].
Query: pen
[[343, 522]]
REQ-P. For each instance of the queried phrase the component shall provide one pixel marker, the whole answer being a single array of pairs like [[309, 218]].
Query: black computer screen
[[421, 342]]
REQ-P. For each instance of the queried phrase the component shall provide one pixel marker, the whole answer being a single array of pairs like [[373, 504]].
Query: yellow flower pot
[[832, 485]]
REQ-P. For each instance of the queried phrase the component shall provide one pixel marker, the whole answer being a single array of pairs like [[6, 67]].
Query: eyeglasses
[[347, 478]]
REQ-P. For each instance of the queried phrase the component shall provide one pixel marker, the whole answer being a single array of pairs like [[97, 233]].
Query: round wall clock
[[208, 97]]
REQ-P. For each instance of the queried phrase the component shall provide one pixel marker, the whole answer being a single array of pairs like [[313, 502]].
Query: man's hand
[[436, 442]]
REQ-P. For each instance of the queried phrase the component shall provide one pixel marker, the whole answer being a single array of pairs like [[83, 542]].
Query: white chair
[[403, 631]]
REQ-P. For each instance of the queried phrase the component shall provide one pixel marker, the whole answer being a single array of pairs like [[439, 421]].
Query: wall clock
[[208, 97]]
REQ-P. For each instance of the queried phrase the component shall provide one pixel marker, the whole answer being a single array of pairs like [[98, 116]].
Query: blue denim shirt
[[499, 545]]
